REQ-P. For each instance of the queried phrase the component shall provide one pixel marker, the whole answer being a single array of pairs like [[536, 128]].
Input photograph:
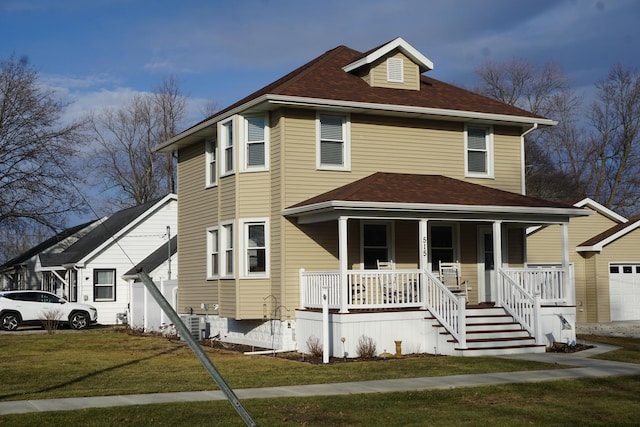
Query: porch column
[[342, 255], [423, 245], [423, 259], [497, 256], [568, 285]]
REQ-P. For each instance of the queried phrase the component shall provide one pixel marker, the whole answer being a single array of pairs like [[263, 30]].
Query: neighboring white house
[[93, 267]]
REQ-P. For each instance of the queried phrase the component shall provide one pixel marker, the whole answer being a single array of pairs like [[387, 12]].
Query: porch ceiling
[[409, 196]]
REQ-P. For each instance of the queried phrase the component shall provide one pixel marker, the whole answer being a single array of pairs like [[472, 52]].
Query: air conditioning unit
[[192, 322]]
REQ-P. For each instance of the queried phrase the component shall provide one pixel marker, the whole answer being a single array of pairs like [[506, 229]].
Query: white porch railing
[[375, 289], [553, 284], [448, 308], [523, 306]]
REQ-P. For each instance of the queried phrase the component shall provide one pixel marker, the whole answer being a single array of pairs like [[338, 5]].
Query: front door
[[486, 267]]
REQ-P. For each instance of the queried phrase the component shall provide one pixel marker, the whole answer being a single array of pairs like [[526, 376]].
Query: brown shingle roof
[[427, 189], [595, 240], [324, 78]]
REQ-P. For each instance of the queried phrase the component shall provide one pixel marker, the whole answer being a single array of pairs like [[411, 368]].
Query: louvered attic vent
[[395, 70]]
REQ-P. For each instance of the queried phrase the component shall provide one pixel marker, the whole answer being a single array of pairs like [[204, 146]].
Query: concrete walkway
[[578, 366]]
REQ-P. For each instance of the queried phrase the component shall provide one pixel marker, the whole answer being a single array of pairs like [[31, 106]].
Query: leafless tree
[[37, 174], [614, 145], [124, 157], [553, 156]]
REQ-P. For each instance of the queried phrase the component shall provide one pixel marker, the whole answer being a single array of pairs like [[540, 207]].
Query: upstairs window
[[333, 150], [212, 162], [256, 143], [479, 152], [395, 70], [226, 138]]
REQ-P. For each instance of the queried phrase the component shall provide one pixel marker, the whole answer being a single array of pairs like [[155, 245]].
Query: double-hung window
[[212, 162], [227, 139], [226, 246], [255, 240], [256, 143], [443, 245], [333, 142], [213, 253], [479, 151], [104, 285]]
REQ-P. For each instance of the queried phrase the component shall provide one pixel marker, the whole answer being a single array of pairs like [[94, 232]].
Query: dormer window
[[395, 70]]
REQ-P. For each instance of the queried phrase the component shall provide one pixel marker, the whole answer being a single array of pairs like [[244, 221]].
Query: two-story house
[[294, 198]]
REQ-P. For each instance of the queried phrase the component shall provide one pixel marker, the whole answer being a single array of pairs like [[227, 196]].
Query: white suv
[[34, 307]]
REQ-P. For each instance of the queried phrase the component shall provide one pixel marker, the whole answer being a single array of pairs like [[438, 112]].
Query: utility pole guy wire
[[195, 347]]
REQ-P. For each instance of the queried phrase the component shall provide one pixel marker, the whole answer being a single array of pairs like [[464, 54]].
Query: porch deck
[[520, 293]]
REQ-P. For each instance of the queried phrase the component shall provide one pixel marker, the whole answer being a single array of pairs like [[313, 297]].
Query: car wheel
[[78, 321], [10, 321]]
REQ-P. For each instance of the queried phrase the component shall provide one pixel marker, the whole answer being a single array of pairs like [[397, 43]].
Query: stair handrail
[[520, 304], [446, 307]]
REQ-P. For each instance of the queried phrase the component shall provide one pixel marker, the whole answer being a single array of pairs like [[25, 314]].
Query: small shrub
[[315, 347], [50, 320], [366, 348]]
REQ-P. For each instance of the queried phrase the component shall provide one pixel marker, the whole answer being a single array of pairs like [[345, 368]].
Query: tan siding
[[254, 197], [545, 246], [378, 74], [276, 124], [228, 299], [227, 186], [197, 210], [507, 160]]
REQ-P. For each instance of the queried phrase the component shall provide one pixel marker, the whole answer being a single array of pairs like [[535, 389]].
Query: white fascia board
[[124, 230], [590, 203], [602, 243], [416, 207], [165, 146], [440, 112], [398, 43]]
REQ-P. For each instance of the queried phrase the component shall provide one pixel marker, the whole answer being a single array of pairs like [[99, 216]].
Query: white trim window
[[256, 143], [255, 251], [395, 70], [213, 253], [104, 284], [333, 150], [226, 247], [211, 156], [478, 144], [227, 147]]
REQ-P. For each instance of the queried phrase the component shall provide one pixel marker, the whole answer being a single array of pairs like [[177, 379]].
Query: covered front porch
[[480, 229]]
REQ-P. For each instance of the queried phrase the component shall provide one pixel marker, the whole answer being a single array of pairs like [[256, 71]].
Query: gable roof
[[43, 246], [427, 193], [107, 230], [603, 210], [154, 260], [323, 83], [596, 243], [376, 53]]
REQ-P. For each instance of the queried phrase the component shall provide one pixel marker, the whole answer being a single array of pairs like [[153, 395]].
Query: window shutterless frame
[[226, 132], [478, 147], [211, 162], [254, 252], [333, 142], [227, 245], [254, 153], [213, 253], [104, 284]]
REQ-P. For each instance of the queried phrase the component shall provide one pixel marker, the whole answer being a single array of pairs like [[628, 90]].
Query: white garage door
[[624, 291]]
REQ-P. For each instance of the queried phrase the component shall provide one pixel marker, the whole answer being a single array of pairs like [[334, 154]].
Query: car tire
[[10, 321], [79, 320]]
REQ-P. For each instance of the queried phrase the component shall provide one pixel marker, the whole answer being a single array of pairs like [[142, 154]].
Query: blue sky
[[99, 53]]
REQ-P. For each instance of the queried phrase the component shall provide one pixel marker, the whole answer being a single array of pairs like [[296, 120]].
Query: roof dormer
[[396, 65]]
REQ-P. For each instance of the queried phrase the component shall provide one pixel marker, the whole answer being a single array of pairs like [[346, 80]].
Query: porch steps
[[491, 331]]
